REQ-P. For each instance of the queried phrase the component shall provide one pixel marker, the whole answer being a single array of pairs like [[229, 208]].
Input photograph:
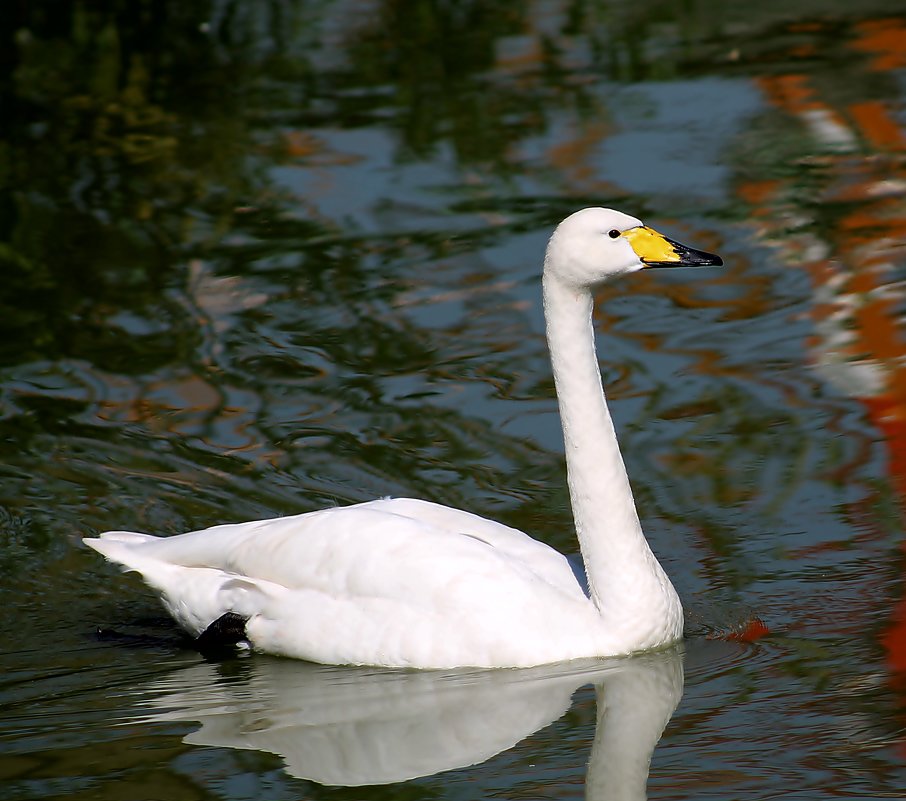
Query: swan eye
[[613, 233]]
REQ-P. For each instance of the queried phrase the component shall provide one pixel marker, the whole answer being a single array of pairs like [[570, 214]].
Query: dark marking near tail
[[222, 634]]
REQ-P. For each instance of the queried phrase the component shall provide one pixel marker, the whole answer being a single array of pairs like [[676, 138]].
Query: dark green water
[[256, 259]]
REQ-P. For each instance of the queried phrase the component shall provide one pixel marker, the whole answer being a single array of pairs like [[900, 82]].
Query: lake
[[260, 259]]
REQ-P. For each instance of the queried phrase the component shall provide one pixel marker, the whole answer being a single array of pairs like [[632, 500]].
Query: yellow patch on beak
[[650, 246], [656, 250]]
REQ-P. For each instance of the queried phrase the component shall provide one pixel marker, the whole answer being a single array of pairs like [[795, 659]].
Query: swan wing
[[394, 581], [316, 549]]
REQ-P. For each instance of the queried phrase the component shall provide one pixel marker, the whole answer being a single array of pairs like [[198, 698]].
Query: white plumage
[[407, 583]]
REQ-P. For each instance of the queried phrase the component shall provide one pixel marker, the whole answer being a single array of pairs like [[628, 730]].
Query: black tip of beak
[[688, 257], [699, 258]]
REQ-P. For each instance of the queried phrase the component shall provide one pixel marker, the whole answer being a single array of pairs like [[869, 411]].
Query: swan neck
[[623, 575]]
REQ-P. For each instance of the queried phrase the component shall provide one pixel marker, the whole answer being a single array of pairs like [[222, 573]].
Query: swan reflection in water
[[352, 727]]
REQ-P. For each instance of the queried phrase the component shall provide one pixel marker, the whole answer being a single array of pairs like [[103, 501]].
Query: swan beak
[[656, 250]]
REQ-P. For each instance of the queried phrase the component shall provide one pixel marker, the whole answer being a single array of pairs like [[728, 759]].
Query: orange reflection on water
[[858, 151]]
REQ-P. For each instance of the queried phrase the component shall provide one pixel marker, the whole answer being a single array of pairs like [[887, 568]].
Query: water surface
[[261, 260]]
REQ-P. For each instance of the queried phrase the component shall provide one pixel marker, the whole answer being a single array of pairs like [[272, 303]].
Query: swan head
[[594, 245]]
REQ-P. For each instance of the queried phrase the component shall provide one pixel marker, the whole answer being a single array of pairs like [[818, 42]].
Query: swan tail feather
[[199, 598], [119, 547]]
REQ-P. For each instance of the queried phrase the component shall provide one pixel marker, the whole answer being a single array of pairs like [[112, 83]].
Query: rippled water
[[261, 259]]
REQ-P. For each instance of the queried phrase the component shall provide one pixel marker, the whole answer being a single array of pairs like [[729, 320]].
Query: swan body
[[407, 583]]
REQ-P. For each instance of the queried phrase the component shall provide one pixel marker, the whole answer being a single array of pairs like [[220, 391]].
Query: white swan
[[407, 583]]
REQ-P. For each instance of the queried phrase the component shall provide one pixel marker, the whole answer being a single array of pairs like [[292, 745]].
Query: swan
[[399, 582]]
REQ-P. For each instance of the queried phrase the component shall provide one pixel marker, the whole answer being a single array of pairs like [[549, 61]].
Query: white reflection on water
[[353, 727]]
